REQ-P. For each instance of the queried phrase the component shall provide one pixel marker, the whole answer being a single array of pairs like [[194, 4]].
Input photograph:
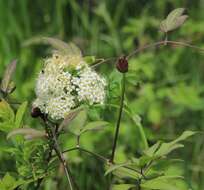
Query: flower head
[[122, 64], [65, 83]]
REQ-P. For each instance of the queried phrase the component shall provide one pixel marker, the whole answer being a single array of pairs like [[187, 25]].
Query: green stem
[[62, 160], [87, 151], [140, 128], [119, 119], [164, 42], [143, 136], [54, 144], [149, 46]]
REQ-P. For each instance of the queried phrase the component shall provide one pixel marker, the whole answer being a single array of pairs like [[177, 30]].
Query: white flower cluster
[[65, 83]]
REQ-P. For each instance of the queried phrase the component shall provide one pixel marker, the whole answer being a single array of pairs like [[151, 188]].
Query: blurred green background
[[165, 85]]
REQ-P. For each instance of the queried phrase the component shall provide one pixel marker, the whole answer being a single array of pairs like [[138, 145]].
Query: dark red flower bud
[[35, 112], [122, 65]]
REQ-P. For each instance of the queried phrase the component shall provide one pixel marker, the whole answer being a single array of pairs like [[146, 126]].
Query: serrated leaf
[[174, 20], [8, 75], [10, 150], [28, 133], [93, 126], [9, 183], [6, 113], [122, 186], [7, 126], [20, 113]]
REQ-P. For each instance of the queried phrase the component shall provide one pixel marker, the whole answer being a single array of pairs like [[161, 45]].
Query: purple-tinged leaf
[[174, 20], [8, 75], [28, 133]]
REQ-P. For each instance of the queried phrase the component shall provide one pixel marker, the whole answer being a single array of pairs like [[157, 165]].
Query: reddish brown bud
[[122, 64], [35, 112]]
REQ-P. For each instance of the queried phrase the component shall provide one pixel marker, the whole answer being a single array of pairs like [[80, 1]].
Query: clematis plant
[[66, 87]]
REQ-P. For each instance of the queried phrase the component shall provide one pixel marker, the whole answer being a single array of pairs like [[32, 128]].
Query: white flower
[[90, 86], [58, 107], [66, 82], [41, 104], [58, 62]]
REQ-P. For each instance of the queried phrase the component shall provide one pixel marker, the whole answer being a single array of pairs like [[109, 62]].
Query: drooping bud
[[122, 64], [35, 112]]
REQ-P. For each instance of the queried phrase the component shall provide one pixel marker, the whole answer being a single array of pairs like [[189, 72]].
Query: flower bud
[[35, 112], [122, 65]]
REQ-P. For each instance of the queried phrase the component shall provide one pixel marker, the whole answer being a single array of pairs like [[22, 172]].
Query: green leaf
[[145, 159], [124, 170], [122, 186], [8, 75], [93, 126], [151, 150], [163, 183], [115, 167], [7, 126], [20, 113], [6, 113], [137, 120], [28, 133], [11, 87], [174, 20], [6, 117], [9, 150], [9, 183], [166, 148], [152, 174], [90, 59], [184, 136], [69, 117], [77, 124]]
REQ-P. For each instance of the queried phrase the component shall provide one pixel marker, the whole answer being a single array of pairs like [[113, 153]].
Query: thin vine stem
[[98, 156], [104, 61], [163, 42], [149, 46], [119, 119]]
